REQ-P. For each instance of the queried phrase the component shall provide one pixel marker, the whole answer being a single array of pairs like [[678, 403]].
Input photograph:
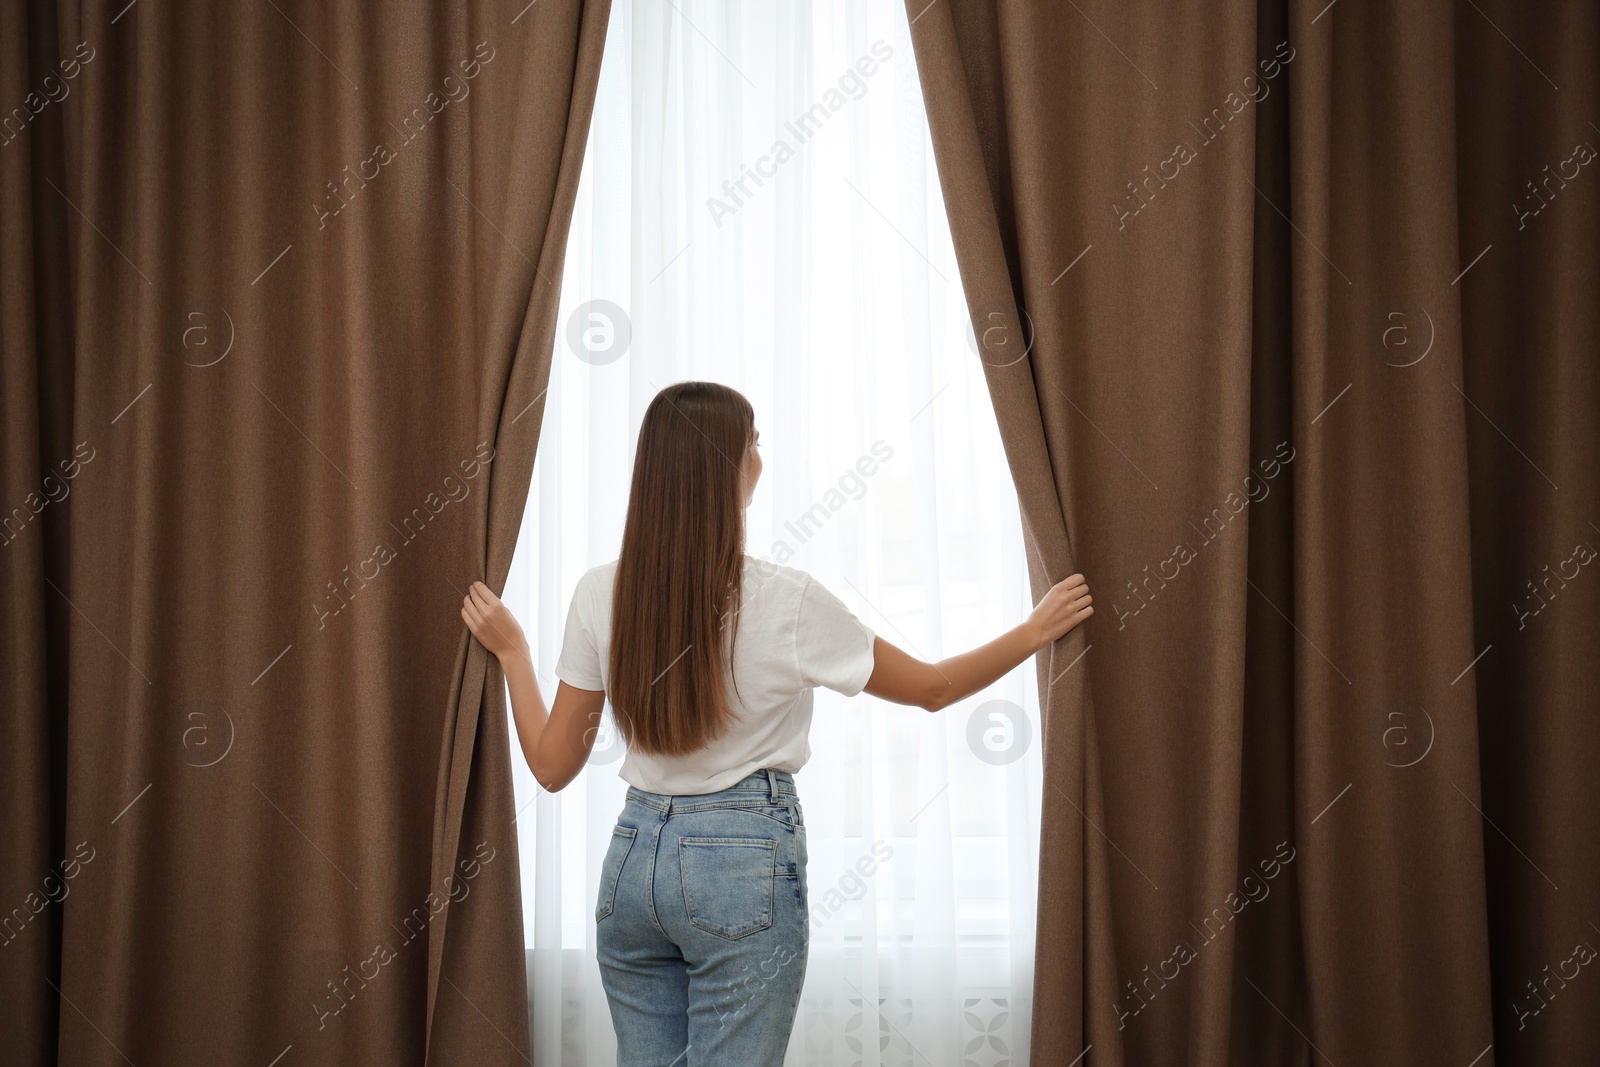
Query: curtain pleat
[[1526, 118], [1313, 790], [278, 301], [35, 390], [1381, 522]]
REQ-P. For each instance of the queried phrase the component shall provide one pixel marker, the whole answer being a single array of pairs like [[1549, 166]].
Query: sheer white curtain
[[759, 206]]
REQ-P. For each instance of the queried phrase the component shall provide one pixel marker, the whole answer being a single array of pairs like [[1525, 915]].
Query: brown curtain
[[278, 286], [1308, 296]]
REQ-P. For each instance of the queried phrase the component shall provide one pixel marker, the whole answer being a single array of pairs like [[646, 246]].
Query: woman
[[709, 657]]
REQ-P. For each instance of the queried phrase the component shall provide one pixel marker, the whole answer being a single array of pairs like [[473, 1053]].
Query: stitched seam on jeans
[[632, 835], [644, 800], [731, 802], [650, 876], [752, 811]]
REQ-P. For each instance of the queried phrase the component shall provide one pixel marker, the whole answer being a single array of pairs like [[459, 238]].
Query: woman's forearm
[[527, 705], [970, 672], [1064, 606], [555, 761]]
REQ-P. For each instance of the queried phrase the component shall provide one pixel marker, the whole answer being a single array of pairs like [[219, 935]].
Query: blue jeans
[[702, 926]]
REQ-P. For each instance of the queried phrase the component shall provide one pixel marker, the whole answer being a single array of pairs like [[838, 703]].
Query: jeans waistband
[[767, 782]]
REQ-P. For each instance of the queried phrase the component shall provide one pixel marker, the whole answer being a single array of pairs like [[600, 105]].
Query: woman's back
[[792, 635]]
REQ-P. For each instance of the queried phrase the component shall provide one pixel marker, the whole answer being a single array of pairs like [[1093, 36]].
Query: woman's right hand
[[1063, 607]]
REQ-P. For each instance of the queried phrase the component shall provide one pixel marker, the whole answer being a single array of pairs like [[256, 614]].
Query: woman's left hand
[[492, 623]]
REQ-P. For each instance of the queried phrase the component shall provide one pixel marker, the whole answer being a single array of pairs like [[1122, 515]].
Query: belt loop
[[772, 785]]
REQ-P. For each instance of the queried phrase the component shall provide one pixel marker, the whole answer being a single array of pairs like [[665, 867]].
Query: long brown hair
[[681, 573]]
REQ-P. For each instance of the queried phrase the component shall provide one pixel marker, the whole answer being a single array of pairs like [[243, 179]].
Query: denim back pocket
[[611, 870], [727, 883]]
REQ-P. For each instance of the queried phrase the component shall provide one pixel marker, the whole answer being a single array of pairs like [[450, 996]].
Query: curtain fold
[[278, 299], [1526, 120], [1308, 299]]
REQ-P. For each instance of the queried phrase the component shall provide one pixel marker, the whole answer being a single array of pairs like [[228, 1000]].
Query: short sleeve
[[579, 663], [833, 648]]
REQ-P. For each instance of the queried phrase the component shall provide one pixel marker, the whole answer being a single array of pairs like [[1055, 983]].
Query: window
[[759, 206]]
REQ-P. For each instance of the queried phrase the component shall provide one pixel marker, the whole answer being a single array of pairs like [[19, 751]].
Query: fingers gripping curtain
[[1318, 412], [278, 285]]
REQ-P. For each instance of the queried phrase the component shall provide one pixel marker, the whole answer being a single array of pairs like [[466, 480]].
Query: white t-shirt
[[793, 635]]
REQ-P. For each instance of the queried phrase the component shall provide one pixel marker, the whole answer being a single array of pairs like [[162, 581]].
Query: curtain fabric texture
[[279, 294], [1306, 294]]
